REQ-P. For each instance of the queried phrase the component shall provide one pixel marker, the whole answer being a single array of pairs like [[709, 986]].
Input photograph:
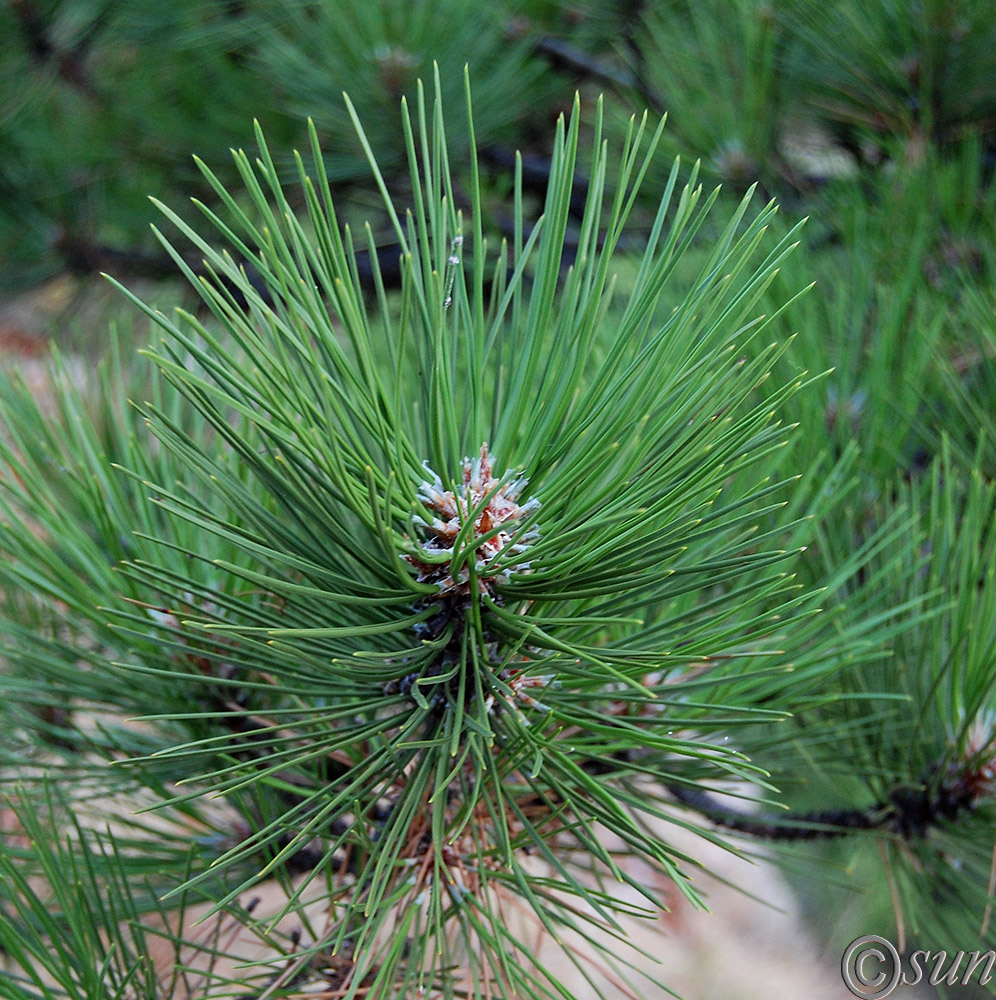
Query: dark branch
[[82, 256], [566, 57], [535, 174], [909, 811], [790, 826]]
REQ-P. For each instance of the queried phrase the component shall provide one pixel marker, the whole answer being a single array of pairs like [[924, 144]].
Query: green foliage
[[104, 102], [411, 658], [723, 57], [107, 103], [83, 938], [470, 533], [930, 746], [917, 71], [893, 326], [378, 52]]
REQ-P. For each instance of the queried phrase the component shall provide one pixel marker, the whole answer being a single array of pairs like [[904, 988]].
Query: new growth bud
[[495, 513]]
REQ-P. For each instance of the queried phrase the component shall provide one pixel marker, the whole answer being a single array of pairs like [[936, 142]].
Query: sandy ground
[[744, 949]]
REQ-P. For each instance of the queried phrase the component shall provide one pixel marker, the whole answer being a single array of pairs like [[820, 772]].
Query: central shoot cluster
[[472, 526], [473, 538]]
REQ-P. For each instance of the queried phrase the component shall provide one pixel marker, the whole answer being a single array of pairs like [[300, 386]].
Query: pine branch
[[438, 587], [85, 257], [908, 811], [564, 56]]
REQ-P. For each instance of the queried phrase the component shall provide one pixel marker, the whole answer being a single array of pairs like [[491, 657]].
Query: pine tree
[[437, 606]]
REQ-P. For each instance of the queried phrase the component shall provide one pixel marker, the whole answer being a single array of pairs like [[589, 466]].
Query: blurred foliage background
[[876, 119]]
